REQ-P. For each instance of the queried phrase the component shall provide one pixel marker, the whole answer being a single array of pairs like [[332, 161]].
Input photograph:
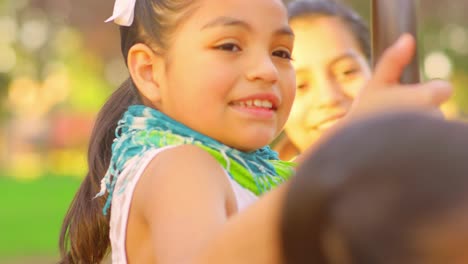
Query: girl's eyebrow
[[348, 55], [226, 21], [230, 21], [286, 30]]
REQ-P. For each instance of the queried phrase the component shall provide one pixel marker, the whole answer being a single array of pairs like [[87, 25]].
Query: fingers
[[426, 96], [384, 91], [432, 93], [394, 60]]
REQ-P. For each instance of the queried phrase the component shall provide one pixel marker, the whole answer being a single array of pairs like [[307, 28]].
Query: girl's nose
[[332, 94], [263, 70]]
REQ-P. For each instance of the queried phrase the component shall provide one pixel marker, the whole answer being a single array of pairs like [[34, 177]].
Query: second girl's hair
[[310, 8]]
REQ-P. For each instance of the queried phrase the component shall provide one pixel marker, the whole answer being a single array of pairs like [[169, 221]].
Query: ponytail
[[84, 237]]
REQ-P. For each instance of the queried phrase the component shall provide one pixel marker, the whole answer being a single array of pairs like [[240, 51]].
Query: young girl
[[400, 195], [179, 148], [331, 59]]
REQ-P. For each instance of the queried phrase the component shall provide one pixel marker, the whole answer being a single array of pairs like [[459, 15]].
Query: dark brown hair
[[311, 8], [371, 186], [85, 232]]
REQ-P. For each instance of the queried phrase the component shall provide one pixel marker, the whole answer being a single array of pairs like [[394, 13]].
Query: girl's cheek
[[291, 92], [354, 88], [297, 111]]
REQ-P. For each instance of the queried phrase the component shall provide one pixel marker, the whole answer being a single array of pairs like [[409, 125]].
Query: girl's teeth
[[267, 104], [256, 103]]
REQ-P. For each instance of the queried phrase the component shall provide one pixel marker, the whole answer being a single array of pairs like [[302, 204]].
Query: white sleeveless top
[[121, 202]]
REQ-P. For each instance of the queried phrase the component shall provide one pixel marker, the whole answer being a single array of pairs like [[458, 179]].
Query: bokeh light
[[33, 34], [437, 65], [8, 30], [458, 39]]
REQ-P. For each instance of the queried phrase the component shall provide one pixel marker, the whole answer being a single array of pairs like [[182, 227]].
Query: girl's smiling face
[[228, 72], [331, 68]]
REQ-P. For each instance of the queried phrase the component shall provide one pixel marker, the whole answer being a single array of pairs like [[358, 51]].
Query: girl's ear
[[145, 67]]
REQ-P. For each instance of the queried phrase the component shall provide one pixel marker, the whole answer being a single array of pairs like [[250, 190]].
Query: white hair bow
[[124, 12]]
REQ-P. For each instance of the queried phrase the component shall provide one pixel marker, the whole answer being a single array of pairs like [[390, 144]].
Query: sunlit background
[[59, 62]]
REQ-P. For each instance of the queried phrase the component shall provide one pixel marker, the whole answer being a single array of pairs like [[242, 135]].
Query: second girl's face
[[331, 68], [229, 74]]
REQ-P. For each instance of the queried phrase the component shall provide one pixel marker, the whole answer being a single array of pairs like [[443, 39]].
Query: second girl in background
[[331, 59]]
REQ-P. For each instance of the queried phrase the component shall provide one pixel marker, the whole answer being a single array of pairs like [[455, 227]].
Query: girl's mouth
[[262, 106], [328, 121], [257, 103]]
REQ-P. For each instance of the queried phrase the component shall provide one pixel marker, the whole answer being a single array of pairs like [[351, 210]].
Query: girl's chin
[[248, 140], [252, 145]]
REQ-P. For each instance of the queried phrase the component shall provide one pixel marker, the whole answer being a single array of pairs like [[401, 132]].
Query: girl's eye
[[348, 74], [284, 54], [302, 86], [229, 47]]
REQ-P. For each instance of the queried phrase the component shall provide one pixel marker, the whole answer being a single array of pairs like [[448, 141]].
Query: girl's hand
[[384, 92]]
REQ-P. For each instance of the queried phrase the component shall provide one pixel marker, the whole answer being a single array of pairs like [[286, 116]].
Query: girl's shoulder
[[181, 191], [185, 158], [187, 171]]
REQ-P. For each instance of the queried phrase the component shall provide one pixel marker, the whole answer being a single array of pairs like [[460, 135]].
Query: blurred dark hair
[[300, 9], [84, 236], [368, 188]]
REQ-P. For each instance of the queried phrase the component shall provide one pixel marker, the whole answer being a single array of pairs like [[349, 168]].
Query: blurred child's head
[[331, 57], [220, 67], [390, 189]]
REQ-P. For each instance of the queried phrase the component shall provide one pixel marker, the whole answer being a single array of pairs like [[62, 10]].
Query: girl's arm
[[184, 198], [250, 237]]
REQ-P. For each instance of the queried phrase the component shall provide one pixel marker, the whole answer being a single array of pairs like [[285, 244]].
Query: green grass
[[31, 213]]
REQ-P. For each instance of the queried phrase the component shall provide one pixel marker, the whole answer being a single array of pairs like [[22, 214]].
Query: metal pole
[[390, 19]]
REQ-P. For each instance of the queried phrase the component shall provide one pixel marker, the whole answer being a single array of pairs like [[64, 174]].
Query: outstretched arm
[[252, 236]]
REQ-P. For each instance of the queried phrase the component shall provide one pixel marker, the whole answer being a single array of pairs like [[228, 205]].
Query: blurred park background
[[59, 62]]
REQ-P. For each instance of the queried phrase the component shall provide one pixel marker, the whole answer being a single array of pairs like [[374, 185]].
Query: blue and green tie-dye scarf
[[143, 128]]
